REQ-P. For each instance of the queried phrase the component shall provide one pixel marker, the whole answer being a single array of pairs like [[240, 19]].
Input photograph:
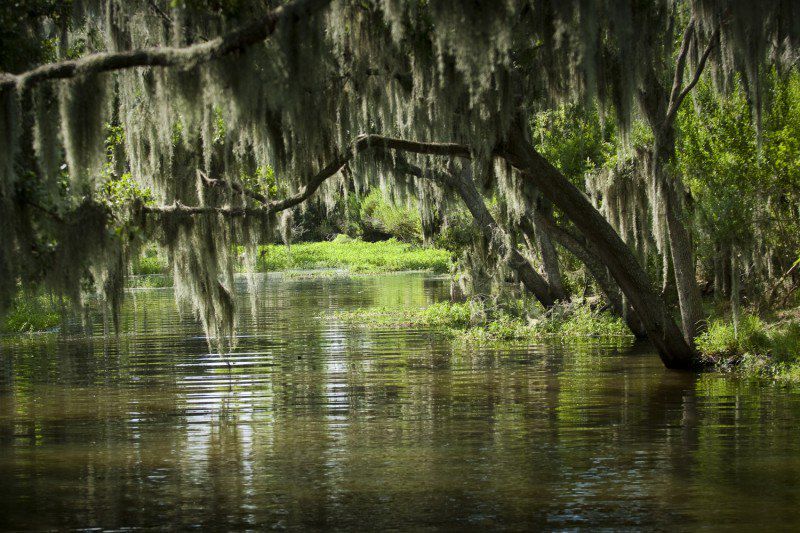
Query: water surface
[[321, 426]]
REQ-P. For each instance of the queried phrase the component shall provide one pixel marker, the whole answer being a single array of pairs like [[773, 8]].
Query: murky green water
[[320, 426]]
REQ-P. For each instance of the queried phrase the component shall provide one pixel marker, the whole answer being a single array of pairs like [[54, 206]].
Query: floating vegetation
[[472, 322]]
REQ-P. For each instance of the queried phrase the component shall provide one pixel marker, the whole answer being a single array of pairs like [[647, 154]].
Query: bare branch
[[160, 12], [680, 64], [676, 103], [231, 42]]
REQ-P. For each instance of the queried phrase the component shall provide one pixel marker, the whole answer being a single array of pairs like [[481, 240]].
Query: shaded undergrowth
[[31, 313]]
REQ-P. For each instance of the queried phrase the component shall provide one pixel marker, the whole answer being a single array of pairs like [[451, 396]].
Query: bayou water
[[319, 425]]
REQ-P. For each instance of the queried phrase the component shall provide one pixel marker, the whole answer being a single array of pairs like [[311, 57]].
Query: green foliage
[[20, 45], [381, 217], [120, 189], [31, 313], [478, 322], [120, 192], [574, 323], [261, 181], [149, 262], [150, 281], [721, 339], [354, 255], [718, 158], [744, 185], [458, 231], [438, 315], [573, 139], [757, 349]]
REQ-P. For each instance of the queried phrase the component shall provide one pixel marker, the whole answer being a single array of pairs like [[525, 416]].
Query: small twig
[[155, 7], [55, 216]]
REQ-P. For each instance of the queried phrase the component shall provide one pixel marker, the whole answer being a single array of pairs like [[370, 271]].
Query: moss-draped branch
[[181, 57]]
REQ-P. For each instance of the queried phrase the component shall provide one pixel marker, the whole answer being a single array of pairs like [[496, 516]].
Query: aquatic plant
[[476, 321]]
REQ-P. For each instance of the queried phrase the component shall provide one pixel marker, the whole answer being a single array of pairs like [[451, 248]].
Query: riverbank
[[31, 314], [343, 254], [37, 313], [353, 255], [755, 347]]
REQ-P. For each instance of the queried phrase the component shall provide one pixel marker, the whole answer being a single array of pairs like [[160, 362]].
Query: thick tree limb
[[231, 42], [577, 246], [219, 183], [673, 349], [178, 208], [359, 144]]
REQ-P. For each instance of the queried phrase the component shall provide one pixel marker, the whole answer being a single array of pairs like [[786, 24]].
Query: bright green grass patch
[[343, 253], [472, 322], [150, 262], [353, 255], [757, 348]]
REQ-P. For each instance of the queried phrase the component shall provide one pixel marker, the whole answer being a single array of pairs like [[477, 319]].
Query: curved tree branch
[[359, 144], [231, 42]]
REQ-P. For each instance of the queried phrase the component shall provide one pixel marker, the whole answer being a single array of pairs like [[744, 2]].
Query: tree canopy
[[123, 121]]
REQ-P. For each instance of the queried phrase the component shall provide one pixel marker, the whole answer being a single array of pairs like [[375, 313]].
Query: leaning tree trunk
[[552, 270], [673, 349], [598, 271], [680, 243], [735, 294], [531, 279]]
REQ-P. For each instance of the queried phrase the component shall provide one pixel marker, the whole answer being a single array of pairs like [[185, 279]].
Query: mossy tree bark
[[674, 350], [533, 282], [660, 105], [550, 264]]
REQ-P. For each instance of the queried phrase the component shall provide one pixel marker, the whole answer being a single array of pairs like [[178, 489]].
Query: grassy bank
[[755, 348], [352, 255], [342, 253], [473, 322]]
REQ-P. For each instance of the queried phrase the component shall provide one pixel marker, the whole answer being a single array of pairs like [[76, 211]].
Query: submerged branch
[[231, 42]]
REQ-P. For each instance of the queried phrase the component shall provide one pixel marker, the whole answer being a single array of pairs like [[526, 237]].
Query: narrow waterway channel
[[320, 424]]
